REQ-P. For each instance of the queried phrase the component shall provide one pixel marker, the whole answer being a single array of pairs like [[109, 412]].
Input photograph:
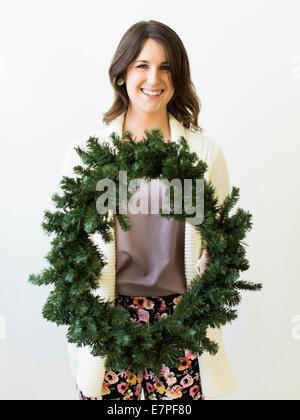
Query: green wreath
[[76, 262]]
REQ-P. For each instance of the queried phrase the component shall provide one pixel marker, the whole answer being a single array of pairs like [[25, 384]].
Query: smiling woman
[[149, 87], [150, 74], [151, 265]]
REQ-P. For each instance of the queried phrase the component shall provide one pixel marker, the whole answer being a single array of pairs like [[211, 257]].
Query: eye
[[163, 67]]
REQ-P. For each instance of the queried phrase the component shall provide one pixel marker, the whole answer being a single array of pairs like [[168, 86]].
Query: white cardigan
[[215, 371]]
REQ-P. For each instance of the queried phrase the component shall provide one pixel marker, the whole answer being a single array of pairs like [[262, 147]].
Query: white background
[[54, 88]]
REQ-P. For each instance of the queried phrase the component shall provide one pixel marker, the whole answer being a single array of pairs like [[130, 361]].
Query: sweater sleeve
[[216, 375], [219, 176]]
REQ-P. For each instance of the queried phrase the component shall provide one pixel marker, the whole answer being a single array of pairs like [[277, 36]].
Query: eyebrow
[[145, 61]]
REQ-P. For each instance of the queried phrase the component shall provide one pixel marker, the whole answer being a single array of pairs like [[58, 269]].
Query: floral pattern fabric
[[180, 382]]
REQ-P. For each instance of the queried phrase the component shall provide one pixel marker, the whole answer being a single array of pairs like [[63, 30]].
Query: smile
[[152, 94]]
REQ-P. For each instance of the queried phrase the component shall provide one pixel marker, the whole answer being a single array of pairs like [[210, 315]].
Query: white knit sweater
[[215, 371]]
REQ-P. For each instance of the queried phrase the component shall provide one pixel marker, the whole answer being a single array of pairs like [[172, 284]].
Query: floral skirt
[[181, 382]]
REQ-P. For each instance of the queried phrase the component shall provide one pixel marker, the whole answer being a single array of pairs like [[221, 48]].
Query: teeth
[[149, 92]]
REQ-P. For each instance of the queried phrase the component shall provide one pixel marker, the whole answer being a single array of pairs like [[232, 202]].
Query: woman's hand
[[201, 264]]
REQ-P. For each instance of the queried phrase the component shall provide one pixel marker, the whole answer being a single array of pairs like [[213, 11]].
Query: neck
[[137, 122]]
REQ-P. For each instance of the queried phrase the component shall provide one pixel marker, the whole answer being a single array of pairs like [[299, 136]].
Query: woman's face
[[154, 74]]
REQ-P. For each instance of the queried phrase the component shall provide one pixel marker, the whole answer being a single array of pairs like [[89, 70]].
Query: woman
[[150, 266]]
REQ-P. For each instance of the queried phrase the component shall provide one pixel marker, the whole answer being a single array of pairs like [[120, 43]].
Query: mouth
[[152, 93]]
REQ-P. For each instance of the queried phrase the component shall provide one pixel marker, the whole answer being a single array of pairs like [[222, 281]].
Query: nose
[[153, 76]]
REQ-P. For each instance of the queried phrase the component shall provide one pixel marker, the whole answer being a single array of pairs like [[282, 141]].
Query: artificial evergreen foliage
[[76, 263]]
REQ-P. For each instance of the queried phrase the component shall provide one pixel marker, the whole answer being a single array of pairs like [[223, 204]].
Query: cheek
[[170, 89], [133, 81], [132, 89], [169, 83]]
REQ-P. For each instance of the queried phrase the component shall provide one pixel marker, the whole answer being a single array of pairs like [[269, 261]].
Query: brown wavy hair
[[185, 104]]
